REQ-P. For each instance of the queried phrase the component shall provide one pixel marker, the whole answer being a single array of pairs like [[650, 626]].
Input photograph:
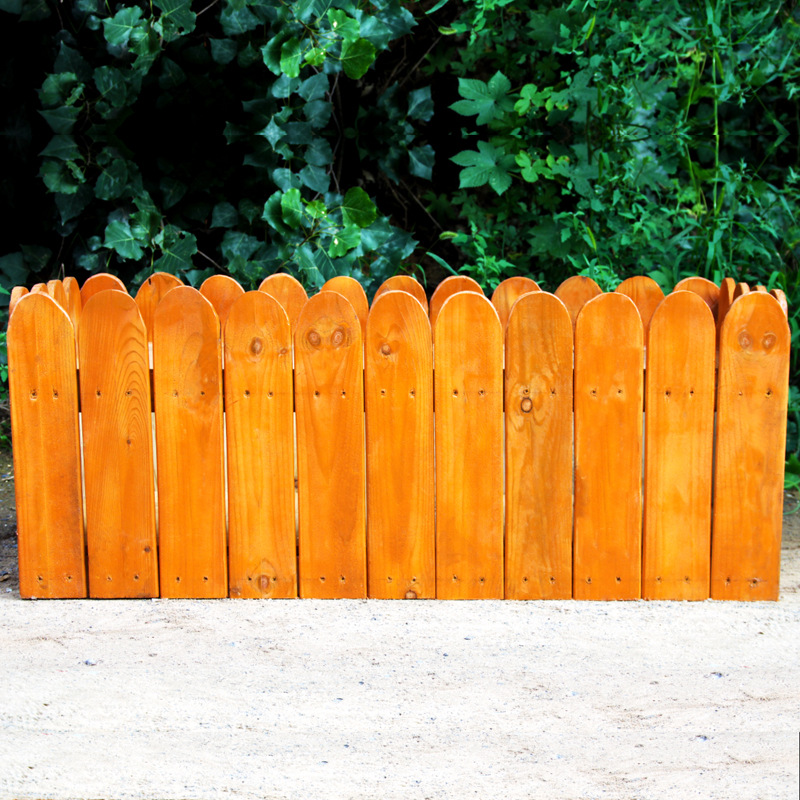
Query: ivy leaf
[[421, 160], [318, 113], [357, 208], [273, 213], [61, 176], [62, 119], [177, 18], [70, 206], [235, 22], [315, 57], [236, 243], [63, 147], [224, 215], [488, 165], [291, 57], [344, 26], [487, 100], [120, 239], [316, 209], [315, 87], [172, 190], [292, 208], [177, 249], [119, 28], [357, 57], [420, 104], [57, 89], [319, 152], [344, 240], [316, 178], [285, 179], [113, 180], [111, 84], [223, 51], [70, 60]]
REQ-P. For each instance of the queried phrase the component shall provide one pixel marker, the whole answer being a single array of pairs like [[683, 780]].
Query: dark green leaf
[[285, 179], [172, 75], [237, 21], [111, 84], [315, 87], [172, 191], [119, 28], [292, 208], [71, 206], [236, 243], [344, 26], [357, 208], [421, 160], [57, 89], [224, 215], [420, 104], [70, 60], [63, 147], [319, 153], [177, 252], [318, 113], [177, 18], [223, 51], [316, 178], [61, 120], [487, 100], [113, 181], [357, 57], [273, 213], [120, 239]]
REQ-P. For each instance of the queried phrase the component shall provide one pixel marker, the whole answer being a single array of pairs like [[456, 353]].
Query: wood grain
[[100, 282], [575, 292], [752, 398], [508, 292], [117, 448], [403, 283], [43, 393], [727, 290], [260, 439], [150, 294], [187, 379], [17, 293], [329, 401], [221, 291], [469, 449], [679, 439], [646, 295], [446, 289], [539, 458], [351, 289], [707, 289], [74, 304], [399, 417], [608, 450], [56, 290], [288, 291]]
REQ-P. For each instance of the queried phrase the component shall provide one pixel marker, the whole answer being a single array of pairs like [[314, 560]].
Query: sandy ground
[[385, 700]]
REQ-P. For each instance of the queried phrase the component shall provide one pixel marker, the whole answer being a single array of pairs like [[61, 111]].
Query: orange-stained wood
[[446, 289], [646, 295], [288, 291], [351, 289], [780, 296], [727, 290], [40, 288], [187, 383], [752, 398], [117, 448], [17, 293], [399, 410], [74, 304], [221, 291], [329, 400], [608, 450], [538, 402], [575, 292], [707, 289], [149, 296], [740, 290], [43, 391], [55, 289], [679, 439], [469, 449], [508, 292], [259, 424], [100, 282], [403, 283]]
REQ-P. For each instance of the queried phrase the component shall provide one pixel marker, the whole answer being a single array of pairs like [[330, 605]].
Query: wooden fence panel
[[329, 401], [399, 416], [403, 283], [351, 289], [469, 449], [221, 291], [117, 448], [150, 294], [538, 400], [259, 423], [288, 291], [56, 290], [707, 289], [187, 379], [608, 450], [508, 292], [446, 289], [43, 392], [646, 295], [752, 399], [679, 438], [74, 303], [575, 292], [17, 293], [100, 282]]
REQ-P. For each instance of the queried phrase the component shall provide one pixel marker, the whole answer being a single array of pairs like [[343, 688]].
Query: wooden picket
[[187, 376], [117, 448], [679, 443], [43, 391], [353, 495], [329, 401], [352, 290], [398, 376], [403, 283]]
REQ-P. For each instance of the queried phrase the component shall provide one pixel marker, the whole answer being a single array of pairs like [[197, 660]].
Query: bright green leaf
[[344, 240], [357, 57], [357, 208], [292, 208], [291, 57], [120, 239]]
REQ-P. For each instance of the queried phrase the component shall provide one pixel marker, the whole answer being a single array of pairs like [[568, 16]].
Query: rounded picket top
[[780, 296], [508, 292], [575, 292], [288, 291], [351, 289], [150, 293], [56, 290], [707, 289], [403, 283], [100, 282], [646, 295], [221, 291], [727, 289], [447, 288], [40, 288], [17, 293], [741, 290]]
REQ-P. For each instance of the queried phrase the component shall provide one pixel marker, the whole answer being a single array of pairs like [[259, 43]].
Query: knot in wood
[[337, 337], [768, 342], [745, 340], [256, 346], [526, 405], [411, 595], [386, 350], [314, 338]]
